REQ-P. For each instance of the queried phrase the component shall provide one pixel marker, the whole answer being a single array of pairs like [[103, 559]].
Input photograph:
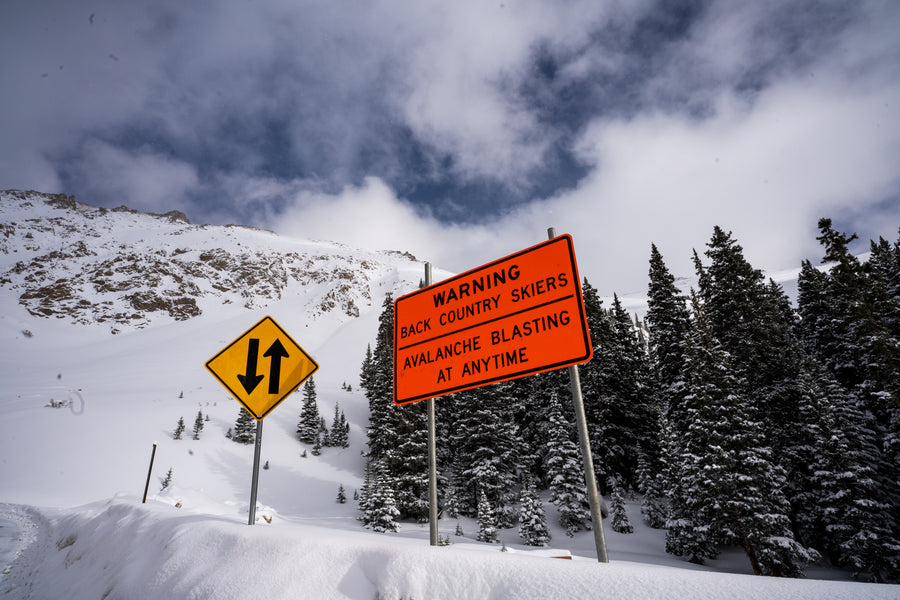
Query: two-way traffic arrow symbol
[[275, 352]]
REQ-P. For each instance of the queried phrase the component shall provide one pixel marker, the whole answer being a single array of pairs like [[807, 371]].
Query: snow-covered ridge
[[128, 269]]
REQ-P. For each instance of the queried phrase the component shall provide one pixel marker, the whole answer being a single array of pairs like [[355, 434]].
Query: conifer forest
[[736, 417]]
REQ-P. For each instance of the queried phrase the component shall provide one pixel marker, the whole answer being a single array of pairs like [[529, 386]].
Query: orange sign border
[[506, 376]]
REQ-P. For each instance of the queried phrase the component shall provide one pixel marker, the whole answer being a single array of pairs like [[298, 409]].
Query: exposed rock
[[120, 266]]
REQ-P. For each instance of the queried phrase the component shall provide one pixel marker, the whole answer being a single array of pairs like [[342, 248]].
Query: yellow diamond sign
[[262, 367]]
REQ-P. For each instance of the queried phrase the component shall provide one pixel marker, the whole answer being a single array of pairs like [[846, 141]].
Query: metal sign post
[[432, 456], [255, 482], [585, 443]]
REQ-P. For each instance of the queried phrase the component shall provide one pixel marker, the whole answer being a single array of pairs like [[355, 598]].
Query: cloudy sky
[[460, 130]]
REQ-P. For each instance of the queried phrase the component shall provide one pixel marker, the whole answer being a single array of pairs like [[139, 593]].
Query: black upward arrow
[[277, 352], [251, 379]]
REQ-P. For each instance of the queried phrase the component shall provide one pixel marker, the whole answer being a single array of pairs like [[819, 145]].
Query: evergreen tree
[[532, 519], [340, 430], [179, 429], [397, 435], [564, 467], [366, 370], [633, 417], [167, 480], [754, 324], [317, 445], [619, 404], [841, 509], [670, 324], [309, 425], [487, 526], [364, 495], [344, 440], [244, 428], [381, 511], [731, 491], [653, 487], [341, 496], [527, 409], [198, 425], [849, 317], [486, 443], [377, 380], [620, 522]]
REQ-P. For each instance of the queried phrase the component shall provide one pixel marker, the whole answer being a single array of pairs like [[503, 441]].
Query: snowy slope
[[92, 378]]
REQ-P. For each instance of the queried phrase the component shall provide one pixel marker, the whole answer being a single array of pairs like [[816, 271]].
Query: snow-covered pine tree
[[565, 470], [849, 324], [620, 522], [337, 436], [167, 480], [364, 495], [486, 442], [669, 320], [244, 428], [754, 324], [341, 496], [631, 421], [734, 490], [377, 380], [179, 429], [308, 427], [532, 520], [366, 369], [397, 435], [526, 406], [487, 524], [619, 401], [317, 445], [198, 425], [382, 513], [594, 378], [344, 438], [653, 487], [843, 509]]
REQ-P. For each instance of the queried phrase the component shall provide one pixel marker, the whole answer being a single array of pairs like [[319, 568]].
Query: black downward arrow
[[277, 352], [251, 379]]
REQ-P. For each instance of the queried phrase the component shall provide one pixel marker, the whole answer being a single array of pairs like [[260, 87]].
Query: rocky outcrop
[[72, 261]]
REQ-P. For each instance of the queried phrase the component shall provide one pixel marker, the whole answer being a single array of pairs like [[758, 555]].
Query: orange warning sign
[[516, 316]]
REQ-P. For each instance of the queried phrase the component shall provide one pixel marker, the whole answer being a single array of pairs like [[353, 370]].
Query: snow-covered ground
[[80, 409]]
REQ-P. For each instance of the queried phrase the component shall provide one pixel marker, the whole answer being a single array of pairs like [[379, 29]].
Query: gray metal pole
[[432, 456], [585, 444], [255, 481], [149, 471]]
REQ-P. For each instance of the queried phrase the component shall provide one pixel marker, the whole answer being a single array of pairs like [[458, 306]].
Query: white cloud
[[142, 179], [767, 172]]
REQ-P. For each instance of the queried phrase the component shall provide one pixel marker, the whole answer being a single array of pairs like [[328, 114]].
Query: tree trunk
[[751, 554]]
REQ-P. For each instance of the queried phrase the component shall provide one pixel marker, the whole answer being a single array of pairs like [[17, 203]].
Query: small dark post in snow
[[256, 453], [585, 443], [147, 486], [432, 456]]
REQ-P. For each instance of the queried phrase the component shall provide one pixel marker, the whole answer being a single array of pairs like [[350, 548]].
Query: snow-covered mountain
[[106, 320], [128, 269]]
